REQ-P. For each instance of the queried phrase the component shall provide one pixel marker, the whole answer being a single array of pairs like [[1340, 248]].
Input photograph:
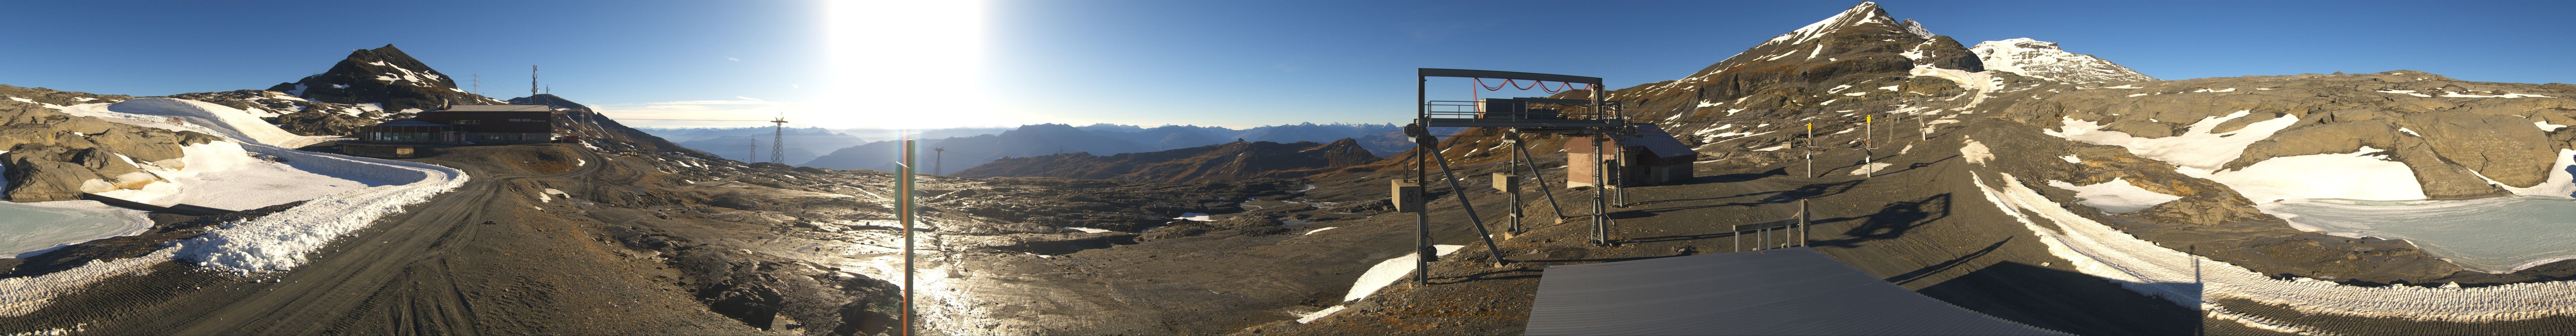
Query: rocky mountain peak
[[2044, 60], [1865, 12], [548, 99], [385, 76], [1814, 66]]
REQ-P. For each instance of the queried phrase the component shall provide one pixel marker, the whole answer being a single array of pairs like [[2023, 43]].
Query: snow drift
[[276, 242], [225, 121], [2194, 281]]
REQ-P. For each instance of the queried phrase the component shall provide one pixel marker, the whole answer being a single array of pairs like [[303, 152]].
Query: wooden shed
[[1653, 158]]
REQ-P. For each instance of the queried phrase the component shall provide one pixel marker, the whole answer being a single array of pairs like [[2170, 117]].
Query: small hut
[[1653, 157]]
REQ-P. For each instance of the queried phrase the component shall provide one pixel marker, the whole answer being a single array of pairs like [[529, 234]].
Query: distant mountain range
[[1101, 140], [751, 144], [1224, 162]]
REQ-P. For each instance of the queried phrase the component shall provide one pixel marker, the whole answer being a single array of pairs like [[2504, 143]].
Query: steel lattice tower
[[778, 141]]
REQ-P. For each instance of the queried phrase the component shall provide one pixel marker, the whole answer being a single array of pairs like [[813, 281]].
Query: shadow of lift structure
[[1594, 118]]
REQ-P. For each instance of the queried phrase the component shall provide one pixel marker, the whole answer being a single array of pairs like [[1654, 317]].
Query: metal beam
[[1462, 73]]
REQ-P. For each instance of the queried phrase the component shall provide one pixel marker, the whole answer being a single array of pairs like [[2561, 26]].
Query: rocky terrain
[[1213, 163], [47, 155], [296, 114], [1744, 112]]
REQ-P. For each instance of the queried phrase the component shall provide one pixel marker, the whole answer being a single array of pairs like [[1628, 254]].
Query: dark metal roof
[[1655, 140], [409, 122], [497, 108], [1794, 291]]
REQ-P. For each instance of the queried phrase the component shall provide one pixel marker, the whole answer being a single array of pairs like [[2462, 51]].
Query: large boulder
[[2505, 148]]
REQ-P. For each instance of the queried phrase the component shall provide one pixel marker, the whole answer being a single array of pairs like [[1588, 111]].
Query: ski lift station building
[[460, 124], [455, 125]]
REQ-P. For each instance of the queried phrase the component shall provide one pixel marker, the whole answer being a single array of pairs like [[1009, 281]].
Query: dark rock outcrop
[[52, 156], [383, 75]]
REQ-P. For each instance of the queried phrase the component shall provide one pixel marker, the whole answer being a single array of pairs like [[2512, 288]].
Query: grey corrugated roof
[[1655, 140], [1794, 291], [498, 108]]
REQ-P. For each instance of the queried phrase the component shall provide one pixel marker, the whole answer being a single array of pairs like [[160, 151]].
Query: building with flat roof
[[495, 124], [455, 125]]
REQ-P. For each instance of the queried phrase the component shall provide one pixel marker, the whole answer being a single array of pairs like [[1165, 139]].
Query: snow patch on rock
[[1976, 152], [2365, 174], [2116, 196], [2196, 152]]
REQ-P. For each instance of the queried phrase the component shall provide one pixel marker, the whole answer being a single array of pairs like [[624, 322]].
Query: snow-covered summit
[[1917, 29], [2044, 60], [1857, 14]]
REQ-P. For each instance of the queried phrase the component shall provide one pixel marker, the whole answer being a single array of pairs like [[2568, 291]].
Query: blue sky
[[1233, 63]]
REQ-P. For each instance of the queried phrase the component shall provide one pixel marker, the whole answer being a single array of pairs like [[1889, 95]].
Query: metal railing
[[1514, 111]]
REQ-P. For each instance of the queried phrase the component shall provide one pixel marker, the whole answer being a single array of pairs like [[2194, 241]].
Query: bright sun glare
[[904, 64]]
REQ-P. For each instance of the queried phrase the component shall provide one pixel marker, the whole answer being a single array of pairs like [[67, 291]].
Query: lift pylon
[[1567, 116]]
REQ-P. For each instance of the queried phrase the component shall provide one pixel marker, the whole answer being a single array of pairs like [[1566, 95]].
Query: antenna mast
[[478, 83], [532, 80]]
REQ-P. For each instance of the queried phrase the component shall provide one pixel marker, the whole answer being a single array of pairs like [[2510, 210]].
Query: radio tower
[[778, 141], [532, 81], [478, 83]]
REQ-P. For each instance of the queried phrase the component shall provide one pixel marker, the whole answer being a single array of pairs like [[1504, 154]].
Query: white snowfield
[[2357, 176], [276, 242], [224, 175], [2193, 281], [221, 120]]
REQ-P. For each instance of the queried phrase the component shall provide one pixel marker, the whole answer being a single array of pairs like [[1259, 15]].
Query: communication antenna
[[478, 83], [532, 80]]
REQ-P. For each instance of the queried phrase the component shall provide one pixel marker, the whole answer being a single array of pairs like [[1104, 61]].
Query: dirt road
[[436, 269]]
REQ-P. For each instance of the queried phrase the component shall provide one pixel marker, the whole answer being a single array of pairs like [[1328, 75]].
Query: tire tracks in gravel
[[396, 278]]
